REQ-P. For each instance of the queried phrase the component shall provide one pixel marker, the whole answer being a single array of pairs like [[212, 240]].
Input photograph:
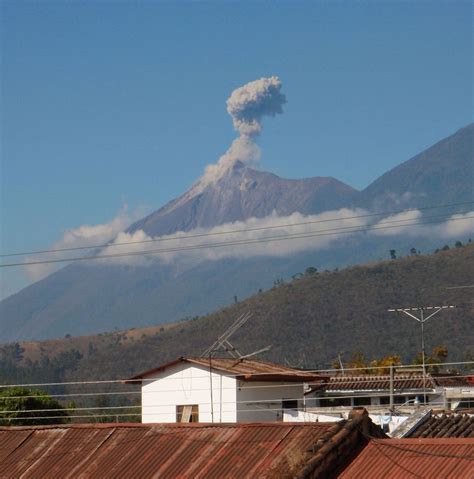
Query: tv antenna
[[223, 342], [422, 318]]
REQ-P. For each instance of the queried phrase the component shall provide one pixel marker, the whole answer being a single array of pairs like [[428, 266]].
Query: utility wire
[[314, 372], [252, 403], [330, 232], [321, 387], [219, 233]]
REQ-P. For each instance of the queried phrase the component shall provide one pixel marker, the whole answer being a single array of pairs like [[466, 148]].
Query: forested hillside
[[308, 321]]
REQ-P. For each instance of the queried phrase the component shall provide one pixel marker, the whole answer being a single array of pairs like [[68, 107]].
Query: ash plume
[[247, 106], [249, 103]]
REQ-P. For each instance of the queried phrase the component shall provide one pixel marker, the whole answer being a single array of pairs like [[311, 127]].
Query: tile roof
[[446, 425], [244, 369], [142, 451], [453, 381], [405, 458], [371, 382]]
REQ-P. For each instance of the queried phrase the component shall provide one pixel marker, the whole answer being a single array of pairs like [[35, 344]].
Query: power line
[[219, 233], [314, 372], [252, 403], [329, 232], [322, 384], [460, 287]]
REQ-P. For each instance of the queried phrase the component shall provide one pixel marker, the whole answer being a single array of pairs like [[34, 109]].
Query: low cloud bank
[[278, 236], [272, 236], [83, 236]]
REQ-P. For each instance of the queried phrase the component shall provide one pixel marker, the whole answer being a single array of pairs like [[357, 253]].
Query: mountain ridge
[[81, 299]]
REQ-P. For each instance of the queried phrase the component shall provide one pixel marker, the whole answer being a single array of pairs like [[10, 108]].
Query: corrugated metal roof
[[446, 425], [418, 458], [372, 382], [246, 369], [157, 450]]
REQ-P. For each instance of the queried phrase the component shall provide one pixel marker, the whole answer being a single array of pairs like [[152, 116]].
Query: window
[[289, 404], [467, 403], [335, 402], [362, 401], [187, 413]]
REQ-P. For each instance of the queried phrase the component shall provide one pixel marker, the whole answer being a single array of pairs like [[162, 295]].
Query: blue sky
[[105, 103]]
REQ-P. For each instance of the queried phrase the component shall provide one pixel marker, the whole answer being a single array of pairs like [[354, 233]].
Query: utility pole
[[392, 380], [432, 310]]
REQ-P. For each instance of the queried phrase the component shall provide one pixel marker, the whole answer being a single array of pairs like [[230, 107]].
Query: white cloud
[[312, 234], [85, 235], [454, 227], [457, 227], [397, 224], [254, 237], [269, 236]]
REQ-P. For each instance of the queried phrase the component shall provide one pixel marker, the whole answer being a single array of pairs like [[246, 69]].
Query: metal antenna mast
[[223, 342], [422, 320]]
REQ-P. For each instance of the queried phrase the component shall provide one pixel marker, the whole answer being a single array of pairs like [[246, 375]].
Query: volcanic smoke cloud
[[247, 106], [249, 103]]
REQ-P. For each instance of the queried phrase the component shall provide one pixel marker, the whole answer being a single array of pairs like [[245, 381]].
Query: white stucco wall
[[262, 401], [186, 384]]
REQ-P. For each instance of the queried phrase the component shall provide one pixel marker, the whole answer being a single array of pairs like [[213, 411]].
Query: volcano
[[85, 299]]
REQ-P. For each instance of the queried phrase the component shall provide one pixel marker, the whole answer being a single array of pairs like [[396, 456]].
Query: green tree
[[311, 270], [393, 254], [18, 407], [433, 362]]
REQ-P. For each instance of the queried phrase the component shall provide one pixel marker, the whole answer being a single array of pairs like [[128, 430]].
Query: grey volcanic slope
[[441, 174], [84, 299], [245, 193]]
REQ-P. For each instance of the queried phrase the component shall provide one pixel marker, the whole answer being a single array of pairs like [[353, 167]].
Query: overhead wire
[[237, 375], [307, 408]]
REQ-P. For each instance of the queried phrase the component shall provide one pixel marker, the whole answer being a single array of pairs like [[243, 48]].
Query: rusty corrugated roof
[[246, 369], [406, 458], [446, 425], [156, 450]]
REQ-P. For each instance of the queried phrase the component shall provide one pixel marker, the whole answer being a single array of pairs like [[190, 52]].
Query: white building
[[220, 390]]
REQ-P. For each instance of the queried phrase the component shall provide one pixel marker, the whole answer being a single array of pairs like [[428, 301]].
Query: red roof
[[453, 380], [243, 369], [372, 382], [157, 450], [406, 458]]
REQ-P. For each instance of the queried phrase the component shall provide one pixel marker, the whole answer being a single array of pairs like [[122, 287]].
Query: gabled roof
[[406, 458], [242, 369], [177, 450], [446, 425]]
